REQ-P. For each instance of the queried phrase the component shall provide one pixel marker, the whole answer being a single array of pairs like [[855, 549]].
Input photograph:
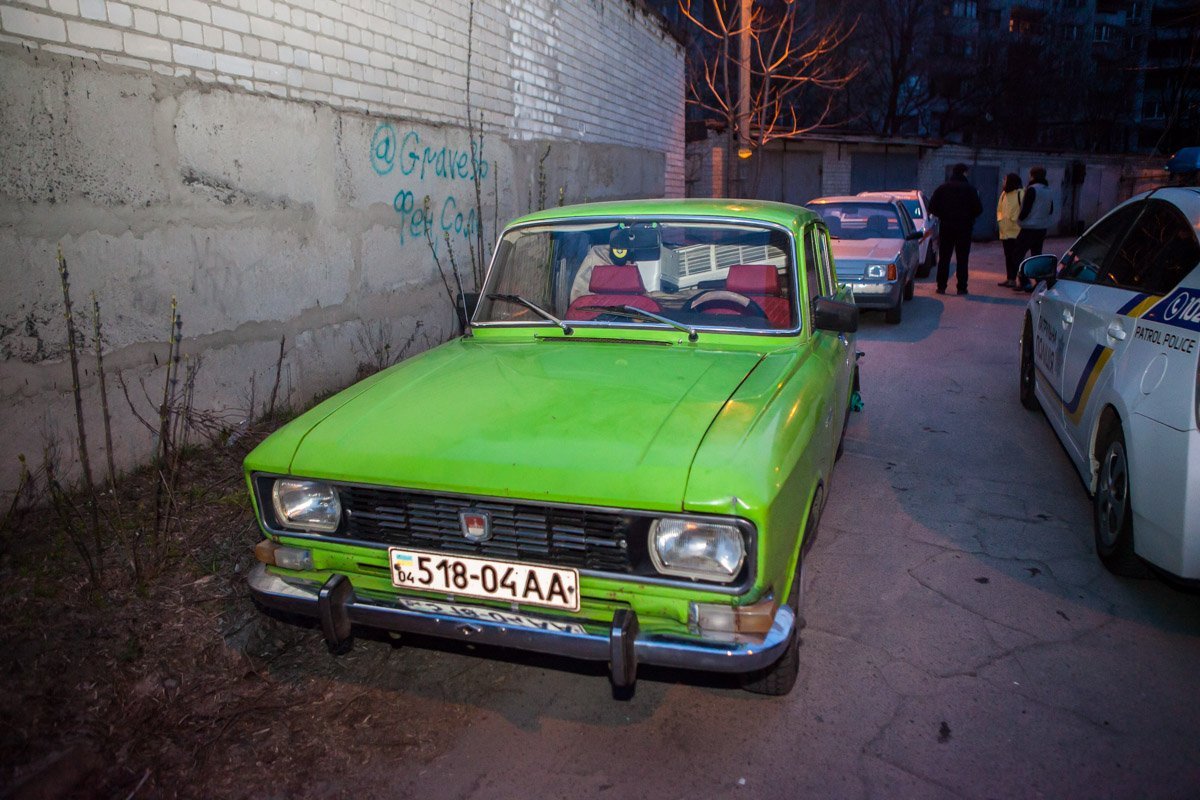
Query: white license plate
[[490, 615], [490, 579]]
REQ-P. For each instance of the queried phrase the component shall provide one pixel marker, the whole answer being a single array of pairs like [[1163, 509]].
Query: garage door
[[789, 177], [878, 172]]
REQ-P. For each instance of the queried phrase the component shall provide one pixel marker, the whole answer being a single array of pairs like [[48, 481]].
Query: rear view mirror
[[1039, 268], [834, 315]]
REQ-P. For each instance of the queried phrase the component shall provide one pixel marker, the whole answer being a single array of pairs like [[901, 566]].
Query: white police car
[[1110, 351]]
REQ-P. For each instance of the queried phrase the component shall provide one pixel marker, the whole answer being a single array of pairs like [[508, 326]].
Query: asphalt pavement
[[963, 640]]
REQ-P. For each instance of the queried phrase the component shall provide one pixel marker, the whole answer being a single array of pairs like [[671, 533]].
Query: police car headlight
[[306, 505], [693, 549]]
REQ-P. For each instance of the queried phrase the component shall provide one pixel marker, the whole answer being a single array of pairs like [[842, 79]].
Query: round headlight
[[306, 505], [692, 549]]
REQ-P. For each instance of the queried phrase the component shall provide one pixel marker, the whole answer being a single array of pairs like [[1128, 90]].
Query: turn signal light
[[274, 555], [755, 618], [891, 272]]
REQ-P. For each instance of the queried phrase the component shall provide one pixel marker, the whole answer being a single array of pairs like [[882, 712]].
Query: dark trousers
[[1012, 257], [956, 242], [1029, 240]]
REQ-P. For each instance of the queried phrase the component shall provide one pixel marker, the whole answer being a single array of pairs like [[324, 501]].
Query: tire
[[1028, 395], [909, 288], [779, 678], [894, 314], [841, 448], [1112, 505]]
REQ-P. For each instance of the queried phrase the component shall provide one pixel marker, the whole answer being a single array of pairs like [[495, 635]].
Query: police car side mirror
[[1040, 268]]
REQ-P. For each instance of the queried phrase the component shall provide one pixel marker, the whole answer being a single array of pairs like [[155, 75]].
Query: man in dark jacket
[[956, 205]]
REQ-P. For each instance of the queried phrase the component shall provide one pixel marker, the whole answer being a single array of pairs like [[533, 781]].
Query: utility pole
[[743, 150]]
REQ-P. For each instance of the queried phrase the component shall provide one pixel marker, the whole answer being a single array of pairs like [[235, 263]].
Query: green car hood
[[603, 423]]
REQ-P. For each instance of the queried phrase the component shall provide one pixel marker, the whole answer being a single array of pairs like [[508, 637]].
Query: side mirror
[[914, 236], [464, 305], [834, 315], [1040, 268]]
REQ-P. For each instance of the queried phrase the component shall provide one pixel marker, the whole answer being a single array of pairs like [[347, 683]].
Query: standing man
[[1038, 211], [956, 205]]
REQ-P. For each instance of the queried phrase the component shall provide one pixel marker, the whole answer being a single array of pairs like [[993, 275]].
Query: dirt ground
[[180, 687]]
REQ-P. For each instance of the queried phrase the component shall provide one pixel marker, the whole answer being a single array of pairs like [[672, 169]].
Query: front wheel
[[779, 678], [894, 314], [1112, 506], [909, 288], [1028, 397]]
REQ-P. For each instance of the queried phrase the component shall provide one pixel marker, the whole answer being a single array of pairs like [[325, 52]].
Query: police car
[[1110, 352]]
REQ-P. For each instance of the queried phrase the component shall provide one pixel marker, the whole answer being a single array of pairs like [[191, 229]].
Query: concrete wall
[[268, 163], [1108, 179]]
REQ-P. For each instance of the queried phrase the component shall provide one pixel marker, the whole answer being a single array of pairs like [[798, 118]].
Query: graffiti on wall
[[435, 197]]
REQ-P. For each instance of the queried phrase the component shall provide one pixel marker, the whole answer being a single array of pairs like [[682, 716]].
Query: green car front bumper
[[620, 643]]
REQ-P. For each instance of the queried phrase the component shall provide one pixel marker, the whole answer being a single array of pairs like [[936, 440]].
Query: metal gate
[[881, 172], [788, 177]]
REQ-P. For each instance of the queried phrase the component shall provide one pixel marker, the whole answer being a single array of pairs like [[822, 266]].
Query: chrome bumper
[[877, 295], [337, 607]]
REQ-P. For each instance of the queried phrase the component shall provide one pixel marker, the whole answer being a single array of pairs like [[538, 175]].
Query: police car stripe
[[1087, 382], [1139, 305], [1180, 309]]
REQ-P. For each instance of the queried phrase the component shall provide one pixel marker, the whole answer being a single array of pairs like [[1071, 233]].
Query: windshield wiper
[[641, 313], [535, 308]]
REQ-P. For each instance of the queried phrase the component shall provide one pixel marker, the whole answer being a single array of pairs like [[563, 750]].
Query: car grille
[[565, 537]]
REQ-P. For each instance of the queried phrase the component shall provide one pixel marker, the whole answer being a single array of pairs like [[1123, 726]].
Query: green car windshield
[[695, 274]]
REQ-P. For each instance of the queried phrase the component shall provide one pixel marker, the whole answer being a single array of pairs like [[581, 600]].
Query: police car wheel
[[1028, 397], [1112, 520]]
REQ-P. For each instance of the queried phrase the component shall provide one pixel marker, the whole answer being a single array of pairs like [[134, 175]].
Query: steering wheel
[[723, 301]]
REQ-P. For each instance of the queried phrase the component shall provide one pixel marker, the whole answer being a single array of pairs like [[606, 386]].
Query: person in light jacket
[[1039, 208], [1007, 211]]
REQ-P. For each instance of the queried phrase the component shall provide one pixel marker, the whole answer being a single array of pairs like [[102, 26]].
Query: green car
[[622, 459]]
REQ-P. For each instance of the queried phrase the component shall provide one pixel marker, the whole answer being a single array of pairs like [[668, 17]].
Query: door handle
[[1115, 331], [1068, 317]]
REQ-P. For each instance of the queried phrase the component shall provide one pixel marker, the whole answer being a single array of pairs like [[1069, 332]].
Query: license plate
[[490, 615], [490, 579]]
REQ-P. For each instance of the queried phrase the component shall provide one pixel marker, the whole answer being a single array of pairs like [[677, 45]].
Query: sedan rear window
[[860, 220]]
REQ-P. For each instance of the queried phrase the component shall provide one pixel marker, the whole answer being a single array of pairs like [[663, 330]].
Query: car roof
[[874, 197], [784, 214], [907, 194], [857, 199], [1186, 198]]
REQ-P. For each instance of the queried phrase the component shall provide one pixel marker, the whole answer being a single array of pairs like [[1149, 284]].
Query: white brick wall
[[595, 71]]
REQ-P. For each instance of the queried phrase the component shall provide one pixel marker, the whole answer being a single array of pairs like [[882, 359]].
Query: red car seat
[[760, 282], [613, 286]]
